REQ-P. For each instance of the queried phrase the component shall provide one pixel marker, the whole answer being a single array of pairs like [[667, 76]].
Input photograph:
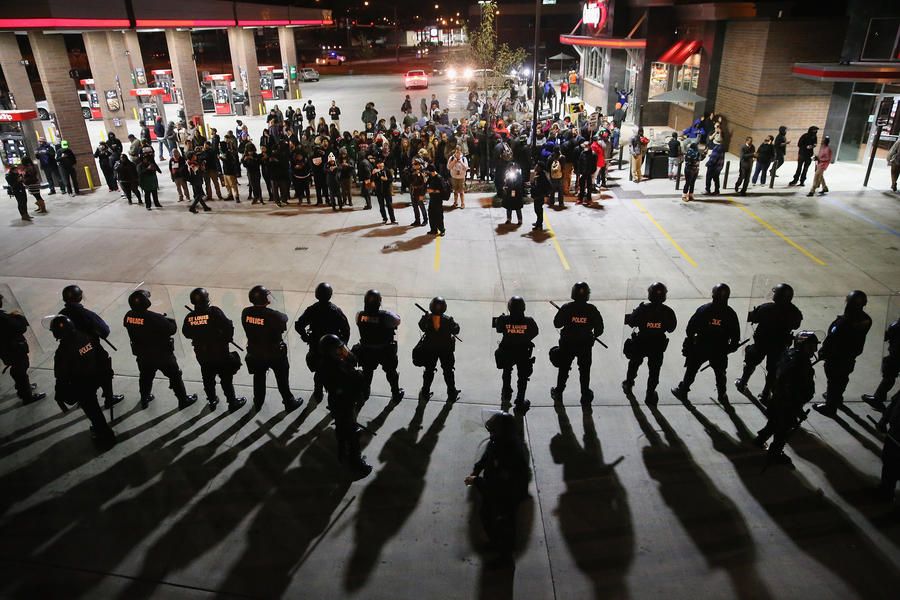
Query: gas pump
[[267, 82], [93, 98], [221, 89], [150, 106], [162, 78], [17, 135]]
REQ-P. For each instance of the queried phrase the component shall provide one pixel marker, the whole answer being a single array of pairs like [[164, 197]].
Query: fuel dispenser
[[162, 78], [150, 106], [93, 98], [221, 90], [267, 82], [17, 135]]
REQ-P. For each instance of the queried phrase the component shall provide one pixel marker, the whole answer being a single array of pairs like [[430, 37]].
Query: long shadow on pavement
[[817, 525], [594, 516], [392, 496], [710, 518]]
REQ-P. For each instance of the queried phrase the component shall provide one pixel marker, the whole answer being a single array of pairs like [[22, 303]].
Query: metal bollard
[[725, 178], [678, 177], [90, 182], [620, 156]]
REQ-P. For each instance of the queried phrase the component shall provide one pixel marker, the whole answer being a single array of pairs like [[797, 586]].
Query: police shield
[[761, 291], [37, 352], [123, 359]]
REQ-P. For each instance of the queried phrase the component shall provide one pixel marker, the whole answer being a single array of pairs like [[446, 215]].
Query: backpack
[[506, 153]]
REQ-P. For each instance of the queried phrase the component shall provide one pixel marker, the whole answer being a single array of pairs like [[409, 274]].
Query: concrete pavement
[[625, 501]]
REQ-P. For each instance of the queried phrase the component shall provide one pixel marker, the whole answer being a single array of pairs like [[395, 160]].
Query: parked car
[[416, 79], [331, 58], [438, 67], [43, 107], [308, 74]]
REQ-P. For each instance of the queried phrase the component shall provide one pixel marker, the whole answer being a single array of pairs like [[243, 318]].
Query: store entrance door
[[866, 108], [632, 70]]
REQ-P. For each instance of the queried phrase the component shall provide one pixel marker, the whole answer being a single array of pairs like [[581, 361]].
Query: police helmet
[[61, 326], [372, 300], [782, 293], [657, 291], [516, 306], [856, 300], [720, 293], [200, 297], [807, 340], [72, 294], [259, 295], [581, 292], [501, 425], [329, 344], [139, 300], [438, 306], [324, 292]]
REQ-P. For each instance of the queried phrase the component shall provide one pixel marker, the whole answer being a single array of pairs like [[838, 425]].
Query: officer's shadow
[[300, 506], [594, 516], [14, 441], [392, 496], [817, 525], [415, 243], [33, 529], [496, 579], [711, 519], [349, 229], [221, 510], [505, 228]]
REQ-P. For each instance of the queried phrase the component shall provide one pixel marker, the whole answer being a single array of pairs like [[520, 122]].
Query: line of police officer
[[82, 365]]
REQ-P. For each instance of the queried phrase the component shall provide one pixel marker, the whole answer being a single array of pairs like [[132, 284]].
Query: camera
[[494, 322]]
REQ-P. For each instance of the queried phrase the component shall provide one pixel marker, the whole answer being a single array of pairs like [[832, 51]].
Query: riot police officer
[[152, 344], [515, 350], [890, 368], [580, 323], [210, 332], [266, 348], [14, 353], [318, 320], [775, 322], [653, 320], [376, 345], [345, 384], [437, 344], [843, 343], [91, 324], [792, 387], [712, 334], [79, 372]]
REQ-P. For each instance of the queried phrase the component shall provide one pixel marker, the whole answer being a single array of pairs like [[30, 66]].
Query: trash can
[[239, 107], [656, 164]]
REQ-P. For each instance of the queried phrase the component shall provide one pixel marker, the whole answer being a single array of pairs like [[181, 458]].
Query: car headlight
[[468, 73], [451, 72]]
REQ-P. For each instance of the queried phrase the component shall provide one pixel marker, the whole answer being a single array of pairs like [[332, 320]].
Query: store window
[[687, 77], [659, 78], [882, 40], [596, 61]]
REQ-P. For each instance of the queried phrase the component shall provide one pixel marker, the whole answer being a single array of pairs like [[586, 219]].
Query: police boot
[[397, 394], [680, 392], [146, 400], [506, 390], [186, 400], [823, 409], [427, 378], [521, 404], [874, 401], [292, 404], [112, 401], [741, 384], [452, 391], [213, 402], [236, 403]]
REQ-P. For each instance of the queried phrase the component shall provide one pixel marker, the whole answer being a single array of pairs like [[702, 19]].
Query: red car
[[416, 78]]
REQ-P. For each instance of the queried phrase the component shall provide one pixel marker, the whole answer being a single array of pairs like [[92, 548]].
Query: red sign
[[14, 116], [594, 14], [147, 92]]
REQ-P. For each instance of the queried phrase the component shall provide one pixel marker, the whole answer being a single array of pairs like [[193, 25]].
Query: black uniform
[[152, 344], [266, 350], [844, 342], [14, 351], [346, 386], [515, 350], [793, 386], [210, 331], [772, 336], [653, 321], [712, 334], [890, 365], [79, 371], [319, 320], [890, 453], [580, 323], [92, 325], [437, 343], [377, 347], [436, 199]]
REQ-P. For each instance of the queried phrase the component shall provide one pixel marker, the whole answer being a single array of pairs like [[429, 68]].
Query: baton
[[596, 338], [735, 350], [229, 341], [109, 343], [426, 312]]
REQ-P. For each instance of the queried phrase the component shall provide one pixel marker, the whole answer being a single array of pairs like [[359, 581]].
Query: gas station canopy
[[16, 116]]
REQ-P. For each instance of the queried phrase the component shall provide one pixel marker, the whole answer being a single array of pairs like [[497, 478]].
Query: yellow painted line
[[788, 240], [559, 252], [437, 253], [663, 231]]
